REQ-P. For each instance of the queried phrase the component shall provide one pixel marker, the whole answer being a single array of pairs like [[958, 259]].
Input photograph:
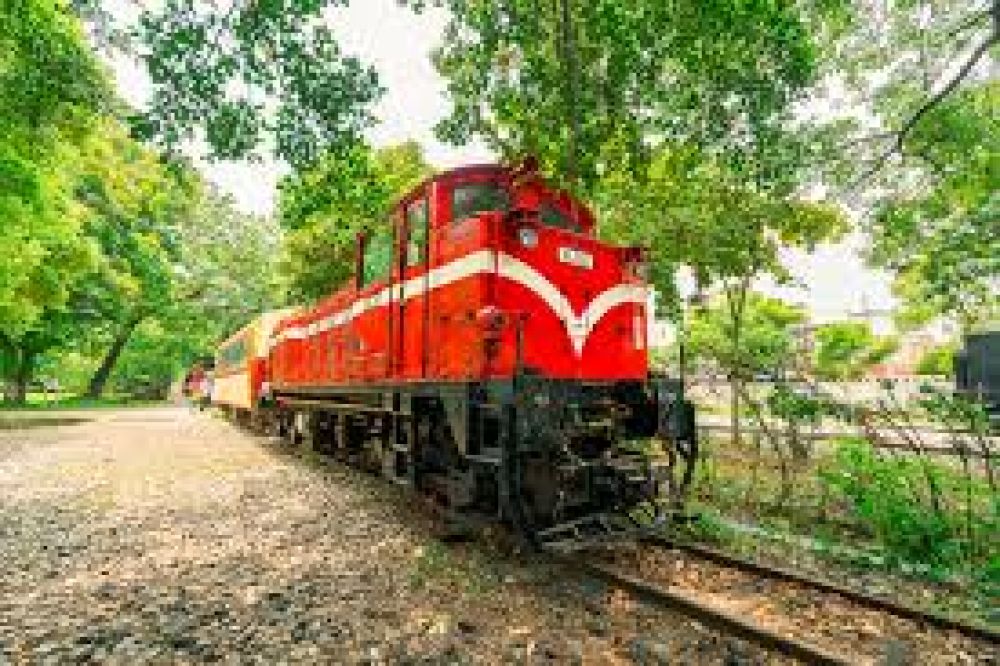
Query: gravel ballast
[[169, 536]]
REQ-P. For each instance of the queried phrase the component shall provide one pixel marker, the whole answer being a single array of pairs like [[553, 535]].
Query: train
[[490, 353], [977, 372]]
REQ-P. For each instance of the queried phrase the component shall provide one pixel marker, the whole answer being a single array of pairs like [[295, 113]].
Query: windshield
[[553, 217], [471, 199]]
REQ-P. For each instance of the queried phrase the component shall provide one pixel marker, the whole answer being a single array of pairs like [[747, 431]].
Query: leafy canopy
[[941, 235], [700, 210], [766, 341], [569, 81], [844, 350], [929, 170], [51, 90], [245, 77], [323, 208]]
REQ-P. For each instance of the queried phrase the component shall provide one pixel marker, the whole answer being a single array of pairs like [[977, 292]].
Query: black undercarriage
[[534, 453]]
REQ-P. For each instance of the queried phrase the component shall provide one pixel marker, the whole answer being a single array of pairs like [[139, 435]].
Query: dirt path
[[165, 536]]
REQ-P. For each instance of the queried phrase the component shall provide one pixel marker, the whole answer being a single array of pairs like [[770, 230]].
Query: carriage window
[[377, 258], [474, 198], [553, 217], [233, 355], [416, 221]]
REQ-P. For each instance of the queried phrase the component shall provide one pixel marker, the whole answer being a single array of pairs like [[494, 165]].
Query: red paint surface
[[468, 329]]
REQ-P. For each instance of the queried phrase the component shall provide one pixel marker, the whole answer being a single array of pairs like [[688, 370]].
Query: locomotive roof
[[484, 168], [495, 168]]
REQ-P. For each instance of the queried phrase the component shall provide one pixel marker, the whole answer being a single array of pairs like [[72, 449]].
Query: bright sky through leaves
[[398, 44]]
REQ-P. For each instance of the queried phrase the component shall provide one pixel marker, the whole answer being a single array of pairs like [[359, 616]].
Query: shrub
[[919, 511]]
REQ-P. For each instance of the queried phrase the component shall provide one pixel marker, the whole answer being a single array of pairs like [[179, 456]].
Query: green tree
[[219, 272], [587, 86], [938, 361], [51, 90], [928, 173], [323, 208], [844, 350], [137, 203], [766, 344], [724, 217], [243, 75], [910, 60], [941, 236]]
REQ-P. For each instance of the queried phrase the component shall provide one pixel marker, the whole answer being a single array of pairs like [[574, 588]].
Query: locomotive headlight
[[527, 236]]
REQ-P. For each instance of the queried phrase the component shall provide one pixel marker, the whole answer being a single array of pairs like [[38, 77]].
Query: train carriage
[[491, 352], [242, 365]]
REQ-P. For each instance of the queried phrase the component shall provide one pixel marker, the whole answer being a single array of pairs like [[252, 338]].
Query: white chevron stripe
[[578, 327]]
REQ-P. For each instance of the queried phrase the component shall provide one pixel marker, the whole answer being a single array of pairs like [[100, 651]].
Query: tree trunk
[[734, 405], [737, 306], [571, 71], [100, 379], [24, 368]]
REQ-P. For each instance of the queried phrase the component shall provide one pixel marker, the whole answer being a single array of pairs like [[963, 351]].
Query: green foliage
[[51, 89], [844, 350], [941, 237], [913, 506], [323, 208], [933, 202], [52, 84], [243, 75], [955, 412], [938, 361], [589, 86], [766, 340], [121, 236], [223, 277], [724, 218], [794, 407], [943, 241]]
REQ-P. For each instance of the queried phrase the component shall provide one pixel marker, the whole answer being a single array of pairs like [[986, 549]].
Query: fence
[[885, 490]]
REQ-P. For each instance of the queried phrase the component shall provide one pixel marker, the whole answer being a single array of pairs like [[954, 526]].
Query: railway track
[[874, 602], [929, 636], [727, 623]]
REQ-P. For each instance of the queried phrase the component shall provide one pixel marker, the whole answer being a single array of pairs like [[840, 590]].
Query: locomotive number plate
[[575, 257]]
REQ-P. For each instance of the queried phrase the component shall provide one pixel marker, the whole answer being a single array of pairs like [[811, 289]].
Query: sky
[[832, 281]]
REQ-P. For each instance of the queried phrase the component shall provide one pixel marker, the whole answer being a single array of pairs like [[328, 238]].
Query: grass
[[854, 509], [466, 569], [62, 401]]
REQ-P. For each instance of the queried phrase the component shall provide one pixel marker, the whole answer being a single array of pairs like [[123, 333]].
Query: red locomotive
[[491, 352]]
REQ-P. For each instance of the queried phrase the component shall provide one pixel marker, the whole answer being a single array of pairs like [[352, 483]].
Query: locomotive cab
[[497, 274]]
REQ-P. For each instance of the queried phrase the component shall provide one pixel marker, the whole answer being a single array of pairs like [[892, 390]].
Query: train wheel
[[286, 429]]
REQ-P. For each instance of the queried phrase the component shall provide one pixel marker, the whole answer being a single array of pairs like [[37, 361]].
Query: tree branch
[[970, 21], [902, 133]]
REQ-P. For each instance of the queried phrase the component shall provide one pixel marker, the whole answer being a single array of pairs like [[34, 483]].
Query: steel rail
[[717, 618], [871, 601]]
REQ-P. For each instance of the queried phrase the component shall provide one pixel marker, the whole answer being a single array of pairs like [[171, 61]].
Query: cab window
[[473, 198], [377, 258], [553, 217], [416, 222]]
